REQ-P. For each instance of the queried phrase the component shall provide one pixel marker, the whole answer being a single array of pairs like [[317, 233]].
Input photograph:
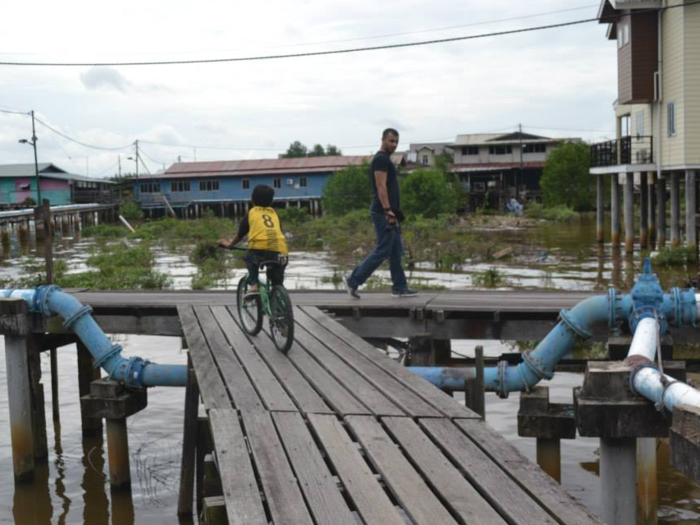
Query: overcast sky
[[558, 82]]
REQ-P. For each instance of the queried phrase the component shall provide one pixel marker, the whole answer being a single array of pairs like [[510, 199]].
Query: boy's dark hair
[[389, 130], [263, 195]]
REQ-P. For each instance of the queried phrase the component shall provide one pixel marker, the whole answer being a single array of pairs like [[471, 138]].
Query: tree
[[333, 151], [317, 151], [426, 192], [566, 180], [296, 149], [347, 189]]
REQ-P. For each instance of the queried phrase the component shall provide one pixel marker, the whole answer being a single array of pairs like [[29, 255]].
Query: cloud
[[105, 79]]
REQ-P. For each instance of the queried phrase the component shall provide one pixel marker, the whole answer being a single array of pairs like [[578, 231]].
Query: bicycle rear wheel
[[249, 308], [282, 319]]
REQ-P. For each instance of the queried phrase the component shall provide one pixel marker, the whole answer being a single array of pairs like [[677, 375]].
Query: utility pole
[[36, 164], [520, 134], [119, 157], [137, 158]]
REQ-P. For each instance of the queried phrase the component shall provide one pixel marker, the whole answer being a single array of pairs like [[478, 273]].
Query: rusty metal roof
[[239, 168]]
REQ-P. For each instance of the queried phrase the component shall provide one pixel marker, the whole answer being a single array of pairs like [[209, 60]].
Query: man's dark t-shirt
[[382, 162]]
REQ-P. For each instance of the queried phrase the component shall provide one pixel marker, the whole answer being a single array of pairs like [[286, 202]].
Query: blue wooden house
[[187, 189]]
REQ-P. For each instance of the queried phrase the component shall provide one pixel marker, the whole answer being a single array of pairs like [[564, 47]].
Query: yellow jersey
[[265, 232]]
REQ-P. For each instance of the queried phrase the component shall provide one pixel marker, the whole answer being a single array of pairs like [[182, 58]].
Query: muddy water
[[72, 486]]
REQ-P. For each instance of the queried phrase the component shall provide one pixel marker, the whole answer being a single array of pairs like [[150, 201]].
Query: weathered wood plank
[[457, 493], [243, 502], [333, 375], [322, 495], [407, 486], [261, 351], [495, 486], [416, 387], [211, 386], [284, 498], [268, 386], [237, 382], [383, 381], [529, 476], [370, 500]]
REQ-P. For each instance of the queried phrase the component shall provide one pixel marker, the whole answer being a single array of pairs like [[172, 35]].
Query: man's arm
[[383, 194]]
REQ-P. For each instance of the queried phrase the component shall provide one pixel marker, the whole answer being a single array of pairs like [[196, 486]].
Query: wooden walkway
[[336, 432]]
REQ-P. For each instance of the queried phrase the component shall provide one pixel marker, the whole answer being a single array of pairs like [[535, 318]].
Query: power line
[[79, 142], [570, 129], [343, 51], [14, 112]]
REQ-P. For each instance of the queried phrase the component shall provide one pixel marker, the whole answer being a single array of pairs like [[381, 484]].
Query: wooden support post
[[189, 443], [643, 211], [214, 511], [675, 211], [442, 351], [420, 347], [15, 323], [54, 386], [205, 445], [118, 452], [86, 375], [652, 209], [212, 480], [549, 456], [647, 489], [600, 208], [661, 212], [474, 397], [690, 205], [618, 478], [39, 230], [629, 212]]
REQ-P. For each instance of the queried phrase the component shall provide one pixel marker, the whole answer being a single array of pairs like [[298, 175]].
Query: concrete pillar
[[618, 476], [549, 457], [600, 208], [690, 203], [629, 212], [675, 211], [652, 209], [647, 487], [661, 212], [644, 211]]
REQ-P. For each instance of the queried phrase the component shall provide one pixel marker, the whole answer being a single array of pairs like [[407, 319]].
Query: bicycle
[[272, 301]]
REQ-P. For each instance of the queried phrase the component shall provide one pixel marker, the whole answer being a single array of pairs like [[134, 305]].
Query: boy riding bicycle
[[266, 242]]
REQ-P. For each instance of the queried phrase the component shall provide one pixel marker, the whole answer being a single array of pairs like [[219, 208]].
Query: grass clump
[[491, 278], [106, 231], [131, 211], [556, 213], [679, 256]]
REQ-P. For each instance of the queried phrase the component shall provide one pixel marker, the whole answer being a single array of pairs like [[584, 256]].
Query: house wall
[[485, 158], [12, 190], [673, 81], [691, 115], [425, 152]]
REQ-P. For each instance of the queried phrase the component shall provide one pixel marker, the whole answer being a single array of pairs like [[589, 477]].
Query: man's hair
[[389, 130], [263, 195]]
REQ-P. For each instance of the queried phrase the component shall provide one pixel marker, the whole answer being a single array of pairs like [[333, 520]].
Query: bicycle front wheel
[[281, 319], [249, 308]]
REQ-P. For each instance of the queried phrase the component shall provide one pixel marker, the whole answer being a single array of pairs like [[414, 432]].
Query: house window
[[470, 150], [534, 148], [302, 182], [478, 187], [245, 184], [625, 126], [277, 183], [424, 160], [180, 186], [209, 185], [150, 187], [639, 121], [500, 150], [671, 117]]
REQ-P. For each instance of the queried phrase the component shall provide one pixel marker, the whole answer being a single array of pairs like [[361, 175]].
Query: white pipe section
[[646, 339]]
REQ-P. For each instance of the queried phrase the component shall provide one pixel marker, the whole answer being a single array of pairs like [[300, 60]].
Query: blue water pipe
[[678, 308], [135, 372]]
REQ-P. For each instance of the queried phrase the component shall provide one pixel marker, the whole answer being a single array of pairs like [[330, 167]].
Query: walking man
[[385, 212]]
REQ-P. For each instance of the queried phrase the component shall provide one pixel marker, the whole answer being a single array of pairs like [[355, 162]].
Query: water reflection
[[32, 501], [96, 509], [60, 475]]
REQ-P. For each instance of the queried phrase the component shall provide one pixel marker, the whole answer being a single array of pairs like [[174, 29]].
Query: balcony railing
[[623, 151]]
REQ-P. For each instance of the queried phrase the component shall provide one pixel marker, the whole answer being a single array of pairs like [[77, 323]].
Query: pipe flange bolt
[[571, 323], [133, 374], [41, 299], [648, 312]]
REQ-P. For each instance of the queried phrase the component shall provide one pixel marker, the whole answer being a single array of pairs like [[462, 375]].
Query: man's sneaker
[[406, 292], [352, 291]]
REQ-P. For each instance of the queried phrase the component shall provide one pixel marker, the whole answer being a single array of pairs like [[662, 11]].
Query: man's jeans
[[389, 246]]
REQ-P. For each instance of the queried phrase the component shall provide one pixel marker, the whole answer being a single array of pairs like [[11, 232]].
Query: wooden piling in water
[[643, 211], [87, 373], [118, 453], [629, 212], [618, 478], [615, 210], [661, 212], [474, 396], [647, 488]]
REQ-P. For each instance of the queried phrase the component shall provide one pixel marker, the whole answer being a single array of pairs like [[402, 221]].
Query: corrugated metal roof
[[488, 139], [281, 167], [46, 170]]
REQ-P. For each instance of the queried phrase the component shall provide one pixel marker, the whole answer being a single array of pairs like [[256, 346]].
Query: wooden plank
[[320, 490], [264, 352], [416, 387], [383, 381], [457, 493], [504, 494], [370, 500], [529, 476], [237, 382], [243, 502], [284, 498], [407, 486], [211, 386], [268, 387], [189, 443], [332, 377]]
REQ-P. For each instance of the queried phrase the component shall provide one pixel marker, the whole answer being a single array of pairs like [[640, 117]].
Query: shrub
[[557, 213], [293, 216], [426, 192], [348, 189], [131, 211], [490, 278], [679, 256]]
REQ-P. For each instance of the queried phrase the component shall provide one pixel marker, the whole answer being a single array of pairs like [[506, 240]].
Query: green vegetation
[[131, 211], [426, 192], [535, 210], [292, 217], [491, 278], [675, 256], [297, 149], [347, 190], [566, 180]]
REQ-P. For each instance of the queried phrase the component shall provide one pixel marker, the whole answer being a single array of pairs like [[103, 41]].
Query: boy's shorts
[[275, 272]]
